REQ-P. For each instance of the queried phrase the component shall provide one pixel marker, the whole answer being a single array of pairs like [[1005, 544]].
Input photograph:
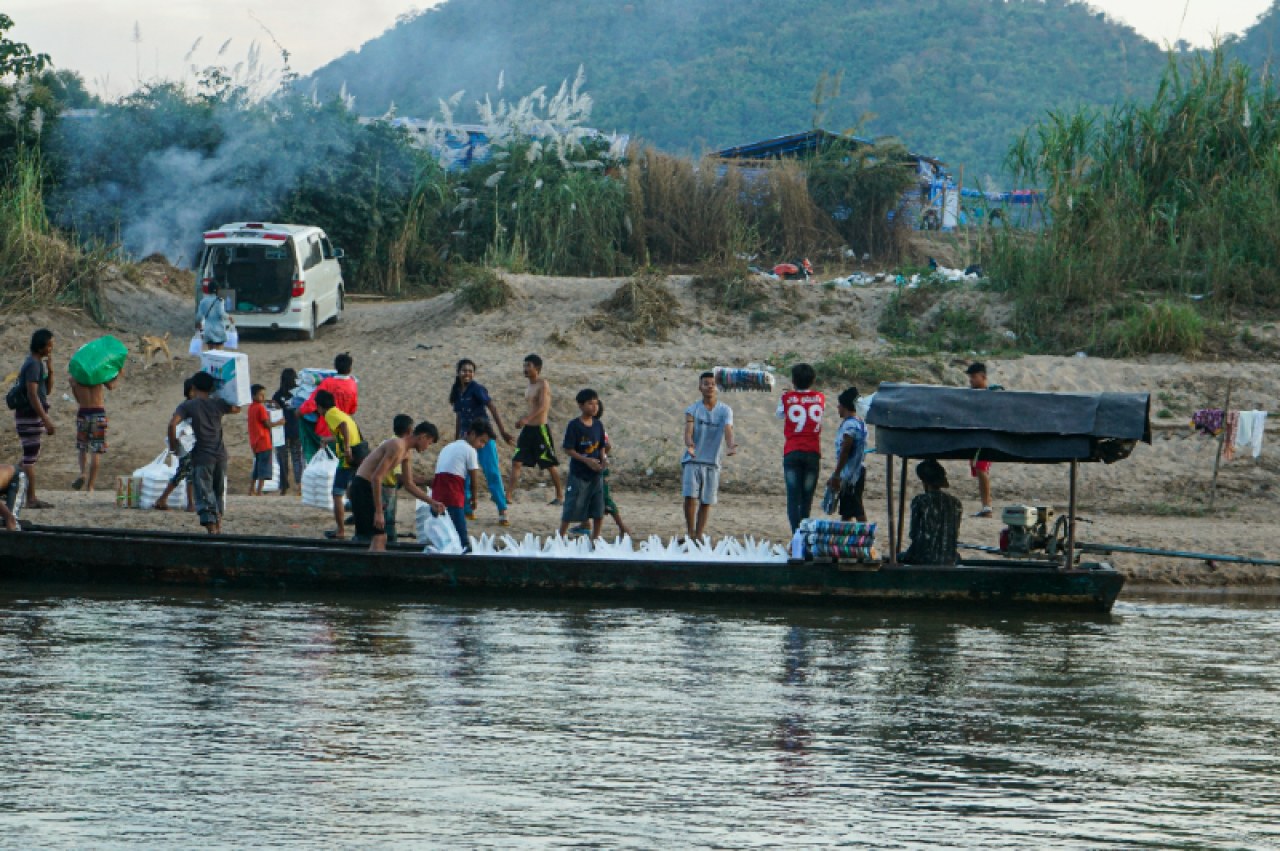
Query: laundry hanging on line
[[1229, 429], [1249, 431], [1208, 421]]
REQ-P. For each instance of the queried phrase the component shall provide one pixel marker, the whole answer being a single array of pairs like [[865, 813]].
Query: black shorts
[[851, 498], [361, 496], [534, 448]]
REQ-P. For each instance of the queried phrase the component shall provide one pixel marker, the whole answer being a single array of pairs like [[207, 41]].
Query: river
[[195, 721]]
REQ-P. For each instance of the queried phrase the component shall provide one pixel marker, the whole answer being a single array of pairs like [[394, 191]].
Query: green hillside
[[1259, 46], [954, 78]]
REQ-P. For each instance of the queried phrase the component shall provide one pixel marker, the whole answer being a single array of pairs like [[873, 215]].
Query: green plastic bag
[[98, 362]]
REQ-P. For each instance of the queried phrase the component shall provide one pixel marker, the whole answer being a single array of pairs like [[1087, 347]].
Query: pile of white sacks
[[727, 549]]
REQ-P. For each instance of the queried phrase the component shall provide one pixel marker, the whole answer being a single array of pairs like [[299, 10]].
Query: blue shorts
[[342, 480], [262, 467]]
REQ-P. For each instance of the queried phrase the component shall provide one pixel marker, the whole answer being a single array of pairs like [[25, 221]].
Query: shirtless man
[[366, 490], [91, 430], [13, 486], [535, 447]]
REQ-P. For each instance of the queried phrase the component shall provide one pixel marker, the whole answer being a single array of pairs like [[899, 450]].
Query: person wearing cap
[[935, 519], [979, 469]]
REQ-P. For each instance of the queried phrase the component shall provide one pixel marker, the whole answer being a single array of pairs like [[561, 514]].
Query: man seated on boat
[[935, 519], [13, 490]]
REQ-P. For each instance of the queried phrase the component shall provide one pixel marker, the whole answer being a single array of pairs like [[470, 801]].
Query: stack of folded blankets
[[730, 378], [831, 538]]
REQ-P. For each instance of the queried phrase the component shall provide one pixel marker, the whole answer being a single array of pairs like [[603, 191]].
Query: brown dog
[[153, 346]]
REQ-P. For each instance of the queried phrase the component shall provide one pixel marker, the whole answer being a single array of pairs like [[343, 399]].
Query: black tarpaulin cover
[[922, 421]]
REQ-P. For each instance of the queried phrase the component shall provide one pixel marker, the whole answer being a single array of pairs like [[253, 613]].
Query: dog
[[153, 346]]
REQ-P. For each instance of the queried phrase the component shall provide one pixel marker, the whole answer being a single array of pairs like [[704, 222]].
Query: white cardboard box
[[230, 371]]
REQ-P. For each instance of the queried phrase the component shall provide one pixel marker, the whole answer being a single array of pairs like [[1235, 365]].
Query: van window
[[328, 248], [313, 255]]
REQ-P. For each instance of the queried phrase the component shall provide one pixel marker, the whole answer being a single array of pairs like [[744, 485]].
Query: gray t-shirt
[[33, 370], [708, 433], [206, 422]]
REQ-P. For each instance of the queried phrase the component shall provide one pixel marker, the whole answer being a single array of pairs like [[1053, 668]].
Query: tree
[[16, 58]]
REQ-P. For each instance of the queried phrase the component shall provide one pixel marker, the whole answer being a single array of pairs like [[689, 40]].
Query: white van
[[277, 277]]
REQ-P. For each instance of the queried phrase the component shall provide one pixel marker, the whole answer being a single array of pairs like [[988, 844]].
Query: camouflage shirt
[[935, 527]]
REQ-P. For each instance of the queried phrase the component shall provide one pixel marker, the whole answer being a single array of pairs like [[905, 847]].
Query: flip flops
[[39, 504], [556, 501], [986, 513]]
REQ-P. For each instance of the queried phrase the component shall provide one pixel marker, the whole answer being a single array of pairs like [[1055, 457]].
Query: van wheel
[[311, 332]]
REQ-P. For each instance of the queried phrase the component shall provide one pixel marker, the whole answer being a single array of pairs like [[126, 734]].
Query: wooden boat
[[48, 556], [911, 422]]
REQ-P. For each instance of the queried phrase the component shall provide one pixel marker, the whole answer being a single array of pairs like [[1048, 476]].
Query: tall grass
[[685, 211], [38, 266], [1176, 197]]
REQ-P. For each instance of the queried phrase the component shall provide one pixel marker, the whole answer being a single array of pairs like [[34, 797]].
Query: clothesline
[[1243, 429]]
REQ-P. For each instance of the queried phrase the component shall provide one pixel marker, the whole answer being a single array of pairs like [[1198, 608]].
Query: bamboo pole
[[902, 505], [893, 544], [1222, 437], [1071, 517]]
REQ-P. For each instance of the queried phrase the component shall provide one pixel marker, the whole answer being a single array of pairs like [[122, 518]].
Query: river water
[[184, 722]]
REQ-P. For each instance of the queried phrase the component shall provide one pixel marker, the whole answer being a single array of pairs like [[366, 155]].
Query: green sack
[[98, 362]]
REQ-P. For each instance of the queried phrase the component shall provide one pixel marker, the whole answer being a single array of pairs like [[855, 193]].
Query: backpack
[[16, 398]]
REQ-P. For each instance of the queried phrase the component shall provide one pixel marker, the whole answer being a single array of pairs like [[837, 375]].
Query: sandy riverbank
[[405, 353]]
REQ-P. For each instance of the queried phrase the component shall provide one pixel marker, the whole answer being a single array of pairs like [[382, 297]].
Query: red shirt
[[801, 415], [259, 428], [345, 398]]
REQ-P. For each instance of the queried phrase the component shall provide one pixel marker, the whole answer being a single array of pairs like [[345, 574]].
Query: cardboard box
[[230, 371]]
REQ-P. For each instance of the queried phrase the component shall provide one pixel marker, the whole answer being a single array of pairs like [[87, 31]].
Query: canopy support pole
[[1071, 517], [902, 505], [893, 543], [1222, 436]]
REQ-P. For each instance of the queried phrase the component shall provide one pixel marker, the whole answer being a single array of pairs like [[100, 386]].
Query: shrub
[[731, 287], [1163, 328], [642, 308], [866, 372], [483, 290]]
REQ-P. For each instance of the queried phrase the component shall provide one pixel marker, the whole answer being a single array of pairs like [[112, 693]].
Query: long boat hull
[[50, 555]]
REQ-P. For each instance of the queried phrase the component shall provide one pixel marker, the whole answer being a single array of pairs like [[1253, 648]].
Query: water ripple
[[179, 722]]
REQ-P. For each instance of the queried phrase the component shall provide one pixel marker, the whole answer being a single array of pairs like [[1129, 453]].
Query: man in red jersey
[[800, 410]]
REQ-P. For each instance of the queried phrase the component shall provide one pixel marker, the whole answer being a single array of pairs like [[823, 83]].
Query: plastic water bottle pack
[[747, 380]]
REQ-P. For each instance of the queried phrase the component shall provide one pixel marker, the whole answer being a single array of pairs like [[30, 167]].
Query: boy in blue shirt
[[584, 444]]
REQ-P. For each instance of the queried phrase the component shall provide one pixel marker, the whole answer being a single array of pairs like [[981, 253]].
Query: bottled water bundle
[[834, 539], [747, 380]]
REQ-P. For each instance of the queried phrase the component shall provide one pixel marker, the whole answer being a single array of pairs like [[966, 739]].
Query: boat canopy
[[922, 421]]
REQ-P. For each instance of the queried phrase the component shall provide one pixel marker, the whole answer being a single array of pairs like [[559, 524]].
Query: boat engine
[[1031, 529]]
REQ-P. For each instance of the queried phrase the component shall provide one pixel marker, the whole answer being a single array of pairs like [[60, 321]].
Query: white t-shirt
[[457, 458], [708, 433]]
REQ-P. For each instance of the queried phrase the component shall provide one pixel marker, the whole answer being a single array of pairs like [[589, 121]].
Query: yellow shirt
[[334, 418], [389, 480]]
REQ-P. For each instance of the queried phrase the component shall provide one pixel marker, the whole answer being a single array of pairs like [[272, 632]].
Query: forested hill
[[1259, 46], [954, 78]]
